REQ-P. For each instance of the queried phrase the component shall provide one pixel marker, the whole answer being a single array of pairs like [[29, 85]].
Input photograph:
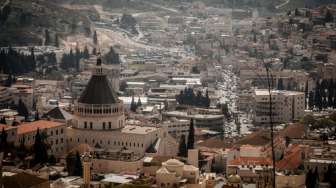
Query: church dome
[[234, 179], [174, 162], [99, 89]]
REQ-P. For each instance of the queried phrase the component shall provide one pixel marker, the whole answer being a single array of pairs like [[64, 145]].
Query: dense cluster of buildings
[[123, 123]]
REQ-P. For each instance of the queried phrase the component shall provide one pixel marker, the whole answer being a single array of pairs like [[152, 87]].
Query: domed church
[[100, 122]]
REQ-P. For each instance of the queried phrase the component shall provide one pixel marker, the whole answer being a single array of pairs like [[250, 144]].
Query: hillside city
[[158, 93]]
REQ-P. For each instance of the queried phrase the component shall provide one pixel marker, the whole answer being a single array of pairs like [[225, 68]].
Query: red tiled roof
[[258, 138], [5, 127], [40, 124], [251, 161], [292, 159], [295, 130]]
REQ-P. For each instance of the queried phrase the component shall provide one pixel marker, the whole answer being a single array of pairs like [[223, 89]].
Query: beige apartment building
[[287, 106]]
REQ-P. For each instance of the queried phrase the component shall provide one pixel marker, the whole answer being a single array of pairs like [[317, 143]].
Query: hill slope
[[25, 21]]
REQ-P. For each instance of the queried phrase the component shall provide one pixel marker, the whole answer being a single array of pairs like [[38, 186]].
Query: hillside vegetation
[[25, 21]]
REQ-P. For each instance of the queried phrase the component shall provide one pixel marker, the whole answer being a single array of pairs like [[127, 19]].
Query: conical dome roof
[[99, 90]]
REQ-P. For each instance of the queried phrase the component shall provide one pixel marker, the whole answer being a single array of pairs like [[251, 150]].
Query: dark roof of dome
[[98, 91]]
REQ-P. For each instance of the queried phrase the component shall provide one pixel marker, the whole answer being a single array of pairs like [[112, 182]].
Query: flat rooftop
[[275, 92], [138, 129]]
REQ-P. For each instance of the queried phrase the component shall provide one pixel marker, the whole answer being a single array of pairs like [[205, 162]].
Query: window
[[61, 140], [108, 142], [93, 141], [62, 131], [103, 125], [85, 124], [51, 133], [56, 132], [78, 140], [110, 125], [90, 125]]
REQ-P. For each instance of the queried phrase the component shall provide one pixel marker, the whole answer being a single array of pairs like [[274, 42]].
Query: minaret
[[86, 160]]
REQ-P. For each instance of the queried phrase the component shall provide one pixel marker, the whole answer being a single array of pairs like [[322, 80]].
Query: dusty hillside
[[23, 22]]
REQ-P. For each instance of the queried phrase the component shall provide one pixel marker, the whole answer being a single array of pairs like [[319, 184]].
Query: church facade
[[99, 121]]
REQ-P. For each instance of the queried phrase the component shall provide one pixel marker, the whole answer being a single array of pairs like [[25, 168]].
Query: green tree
[[70, 163], [56, 40], [78, 165], [47, 39], [139, 103], [86, 54], [22, 109], [9, 80], [182, 147], [94, 51], [123, 85], [133, 105], [328, 17], [37, 116], [191, 135], [52, 160], [308, 120], [3, 140], [40, 149], [280, 84], [95, 38], [3, 120]]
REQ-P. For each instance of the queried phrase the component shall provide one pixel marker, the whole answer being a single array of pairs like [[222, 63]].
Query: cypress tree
[[306, 93], [207, 99], [86, 52], [133, 105], [47, 40], [3, 120], [9, 80], [37, 116], [316, 177], [56, 40], [78, 171], [328, 17], [318, 96], [311, 100], [22, 149], [3, 140], [94, 51], [309, 177], [40, 149], [139, 102], [280, 85], [70, 163], [191, 136], [22, 109], [95, 38], [182, 147], [77, 58]]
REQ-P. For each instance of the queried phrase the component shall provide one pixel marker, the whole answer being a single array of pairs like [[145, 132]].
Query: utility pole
[[270, 87]]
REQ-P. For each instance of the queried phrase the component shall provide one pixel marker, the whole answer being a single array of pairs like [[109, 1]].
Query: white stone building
[[175, 173], [286, 106]]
